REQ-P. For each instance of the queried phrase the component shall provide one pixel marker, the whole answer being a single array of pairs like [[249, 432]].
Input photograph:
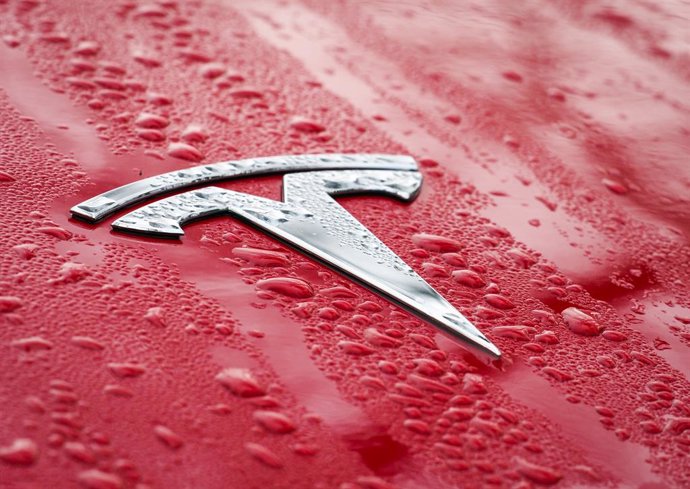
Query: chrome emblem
[[308, 219]]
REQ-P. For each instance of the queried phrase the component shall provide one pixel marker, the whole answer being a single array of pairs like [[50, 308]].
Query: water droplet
[[9, 303], [469, 278], [488, 428], [275, 422], [355, 348], [246, 92], [474, 384], [373, 382], [487, 313], [423, 340], [303, 124], [185, 151], [97, 479], [290, 287], [388, 367], [126, 369], [155, 317], [518, 332], [521, 258], [434, 270], [87, 48], [194, 133], [79, 452], [150, 10], [615, 186], [429, 385], [158, 99], [33, 343], [512, 76], [212, 70], [435, 243], [168, 436], [6, 177], [557, 374], [377, 338], [499, 301], [677, 425], [616, 336], [110, 83], [55, 38], [262, 258], [146, 59], [10, 40], [240, 382], [22, 451], [71, 273], [537, 473], [117, 391], [449, 450], [547, 337], [56, 232], [87, 343], [306, 449], [148, 120], [194, 55], [263, 455], [580, 323], [461, 400], [651, 427], [428, 367], [153, 135], [417, 426]]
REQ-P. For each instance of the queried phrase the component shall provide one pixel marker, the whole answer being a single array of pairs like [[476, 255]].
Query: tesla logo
[[308, 219]]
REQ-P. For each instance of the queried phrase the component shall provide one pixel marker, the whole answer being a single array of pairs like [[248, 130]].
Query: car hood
[[552, 139]]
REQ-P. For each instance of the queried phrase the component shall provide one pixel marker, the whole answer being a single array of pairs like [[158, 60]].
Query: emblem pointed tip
[[462, 329], [493, 351], [479, 344]]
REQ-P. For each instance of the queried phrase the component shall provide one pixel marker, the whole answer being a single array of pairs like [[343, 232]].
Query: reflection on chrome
[[309, 219]]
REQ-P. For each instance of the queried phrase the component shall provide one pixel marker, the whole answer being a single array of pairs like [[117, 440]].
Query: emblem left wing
[[308, 219]]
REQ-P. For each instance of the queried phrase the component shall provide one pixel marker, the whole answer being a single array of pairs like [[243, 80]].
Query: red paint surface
[[554, 138]]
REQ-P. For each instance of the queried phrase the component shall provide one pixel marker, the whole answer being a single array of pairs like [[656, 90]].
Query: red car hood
[[553, 138]]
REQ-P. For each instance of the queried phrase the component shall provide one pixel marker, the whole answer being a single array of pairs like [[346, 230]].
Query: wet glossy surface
[[554, 140]]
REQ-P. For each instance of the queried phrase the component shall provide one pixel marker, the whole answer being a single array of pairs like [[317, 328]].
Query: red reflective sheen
[[554, 140]]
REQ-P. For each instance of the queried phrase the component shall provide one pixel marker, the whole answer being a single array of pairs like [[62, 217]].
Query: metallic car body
[[553, 138]]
